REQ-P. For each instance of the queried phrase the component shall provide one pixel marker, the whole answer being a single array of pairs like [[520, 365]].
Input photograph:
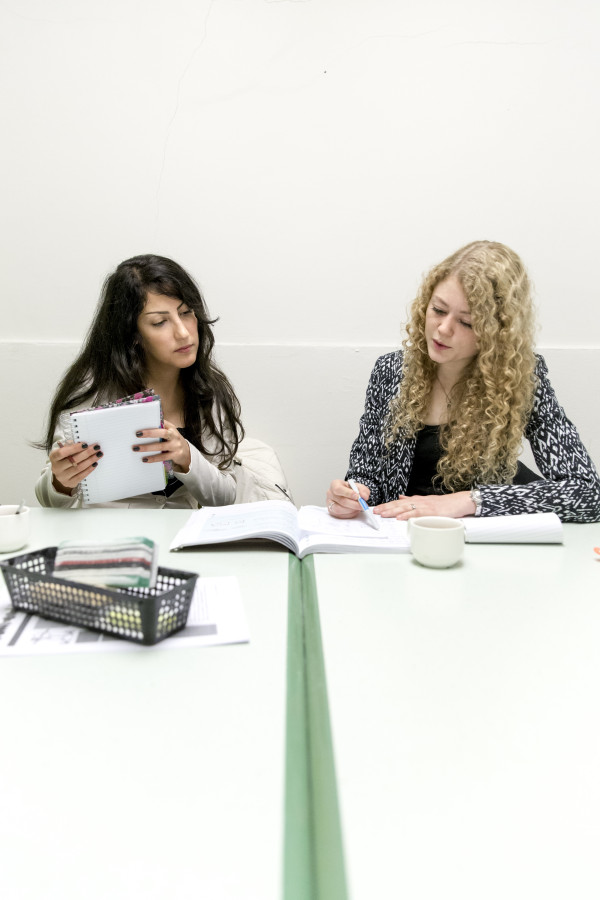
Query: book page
[[275, 520], [320, 532]]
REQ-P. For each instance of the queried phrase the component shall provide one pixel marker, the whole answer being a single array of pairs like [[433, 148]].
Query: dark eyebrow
[[164, 312]]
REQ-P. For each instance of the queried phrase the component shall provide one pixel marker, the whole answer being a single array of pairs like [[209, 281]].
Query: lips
[[185, 349], [440, 346]]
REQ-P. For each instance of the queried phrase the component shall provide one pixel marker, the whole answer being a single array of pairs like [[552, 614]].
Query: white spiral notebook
[[120, 472]]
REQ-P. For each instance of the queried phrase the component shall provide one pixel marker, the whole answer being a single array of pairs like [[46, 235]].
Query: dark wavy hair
[[111, 363]]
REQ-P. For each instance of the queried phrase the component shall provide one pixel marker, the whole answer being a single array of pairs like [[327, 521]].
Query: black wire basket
[[141, 614]]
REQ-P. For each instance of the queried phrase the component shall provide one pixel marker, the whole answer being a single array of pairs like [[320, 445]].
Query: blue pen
[[371, 517]]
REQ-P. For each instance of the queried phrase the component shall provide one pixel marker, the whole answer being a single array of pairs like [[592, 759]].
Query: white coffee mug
[[14, 530], [436, 541]]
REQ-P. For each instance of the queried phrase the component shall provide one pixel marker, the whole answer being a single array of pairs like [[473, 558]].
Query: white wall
[[306, 161]]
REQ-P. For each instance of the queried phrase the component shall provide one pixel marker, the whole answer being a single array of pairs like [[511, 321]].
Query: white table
[[465, 725], [465, 708], [155, 774]]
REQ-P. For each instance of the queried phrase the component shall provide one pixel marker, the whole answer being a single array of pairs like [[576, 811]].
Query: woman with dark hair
[[445, 418], [152, 330]]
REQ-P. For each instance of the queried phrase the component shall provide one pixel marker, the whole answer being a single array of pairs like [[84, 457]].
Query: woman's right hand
[[341, 499], [71, 463]]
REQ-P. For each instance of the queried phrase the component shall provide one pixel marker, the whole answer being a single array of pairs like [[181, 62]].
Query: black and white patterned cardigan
[[571, 487]]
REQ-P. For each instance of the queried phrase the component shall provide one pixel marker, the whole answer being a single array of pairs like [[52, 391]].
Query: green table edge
[[313, 865]]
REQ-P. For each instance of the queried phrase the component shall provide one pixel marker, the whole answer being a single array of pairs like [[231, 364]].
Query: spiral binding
[[82, 488]]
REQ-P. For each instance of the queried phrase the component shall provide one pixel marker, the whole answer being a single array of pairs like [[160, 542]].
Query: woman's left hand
[[452, 505], [172, 447]]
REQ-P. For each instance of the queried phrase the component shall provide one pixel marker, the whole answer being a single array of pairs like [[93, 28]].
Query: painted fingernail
[[145, 459], [96, 446], [84, 446], [136, 448], [99, 454], [139, 433], [94, 465]]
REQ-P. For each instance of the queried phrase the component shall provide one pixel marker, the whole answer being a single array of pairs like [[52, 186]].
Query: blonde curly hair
[[489, 407]]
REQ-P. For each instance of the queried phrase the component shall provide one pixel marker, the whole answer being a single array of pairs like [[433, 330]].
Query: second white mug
[[436, 541]]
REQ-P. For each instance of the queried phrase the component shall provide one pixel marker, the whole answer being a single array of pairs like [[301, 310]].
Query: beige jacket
[[255, 474]]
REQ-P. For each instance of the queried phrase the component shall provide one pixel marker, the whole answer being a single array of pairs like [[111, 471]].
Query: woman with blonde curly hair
[[445, 417]]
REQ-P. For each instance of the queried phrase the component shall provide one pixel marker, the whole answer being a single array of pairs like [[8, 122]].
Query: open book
[[308, 530], [312, 530], [121, 472]]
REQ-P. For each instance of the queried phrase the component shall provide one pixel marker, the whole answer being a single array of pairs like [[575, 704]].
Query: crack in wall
[[171, 122]]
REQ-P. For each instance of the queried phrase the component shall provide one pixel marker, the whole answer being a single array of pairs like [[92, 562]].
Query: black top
[[427, 454]]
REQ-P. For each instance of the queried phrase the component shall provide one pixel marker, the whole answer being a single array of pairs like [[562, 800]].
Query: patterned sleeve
[[572, 486], [366, 464]]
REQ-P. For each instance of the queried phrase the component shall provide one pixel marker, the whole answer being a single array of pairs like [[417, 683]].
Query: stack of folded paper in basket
[[126, 562]]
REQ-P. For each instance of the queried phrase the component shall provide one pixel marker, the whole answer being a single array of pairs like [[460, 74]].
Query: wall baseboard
[[303, 399]]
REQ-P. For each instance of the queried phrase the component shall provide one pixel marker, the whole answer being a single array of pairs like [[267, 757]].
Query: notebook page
[[121, 472], [537, 528]]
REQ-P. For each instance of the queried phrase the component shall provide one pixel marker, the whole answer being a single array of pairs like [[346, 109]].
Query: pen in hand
[[371, 517]]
